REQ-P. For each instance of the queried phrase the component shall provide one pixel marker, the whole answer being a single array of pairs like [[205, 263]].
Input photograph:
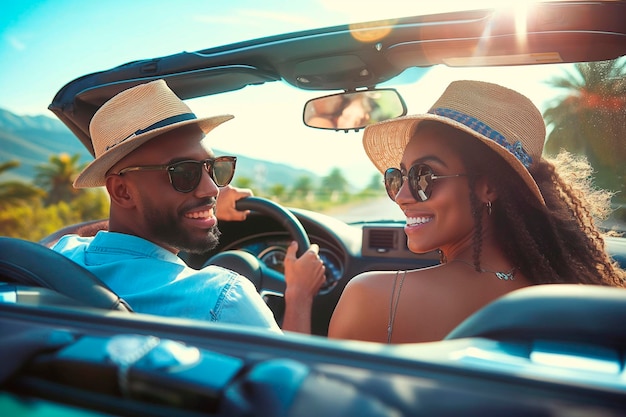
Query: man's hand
[[304, 277], [225, 207]]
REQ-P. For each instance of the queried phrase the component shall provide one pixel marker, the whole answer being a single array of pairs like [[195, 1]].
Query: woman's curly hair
[[555, 243]]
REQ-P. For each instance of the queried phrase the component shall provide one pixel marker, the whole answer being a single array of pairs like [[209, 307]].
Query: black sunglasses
[[420, 178], [186, 175]]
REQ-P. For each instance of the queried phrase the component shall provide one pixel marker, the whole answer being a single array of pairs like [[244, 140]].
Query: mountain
[[33, 139]]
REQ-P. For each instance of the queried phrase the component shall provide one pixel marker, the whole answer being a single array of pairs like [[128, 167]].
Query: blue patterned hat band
[[131, 118], [516, 148], [508, 122]]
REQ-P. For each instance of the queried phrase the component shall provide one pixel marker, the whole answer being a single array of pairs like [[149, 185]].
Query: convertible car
[[70, 346]]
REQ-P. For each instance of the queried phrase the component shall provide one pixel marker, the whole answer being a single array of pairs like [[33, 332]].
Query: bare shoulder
[[362, 310], [371, 280], [382, 283]]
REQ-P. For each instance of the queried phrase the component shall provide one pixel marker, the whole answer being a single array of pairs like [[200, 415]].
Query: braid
[[515, 234], [477, 212]]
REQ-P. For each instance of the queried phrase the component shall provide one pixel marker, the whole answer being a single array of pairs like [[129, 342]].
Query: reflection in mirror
[[355, 110]]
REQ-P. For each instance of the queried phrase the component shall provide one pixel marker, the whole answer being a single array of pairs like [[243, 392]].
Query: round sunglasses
[[420, 177], [186, 175]]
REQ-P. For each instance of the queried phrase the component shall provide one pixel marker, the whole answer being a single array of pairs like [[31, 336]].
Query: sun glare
[[521, 16]]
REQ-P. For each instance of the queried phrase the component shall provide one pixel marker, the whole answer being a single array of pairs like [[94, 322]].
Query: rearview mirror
[[354, 110]]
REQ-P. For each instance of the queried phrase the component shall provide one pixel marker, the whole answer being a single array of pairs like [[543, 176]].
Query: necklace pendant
[[505, 276]]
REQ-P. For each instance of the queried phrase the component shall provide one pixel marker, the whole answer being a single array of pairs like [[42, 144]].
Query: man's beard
[[167, 229]]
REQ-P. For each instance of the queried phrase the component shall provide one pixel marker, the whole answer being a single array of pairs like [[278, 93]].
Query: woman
[[471, 181]]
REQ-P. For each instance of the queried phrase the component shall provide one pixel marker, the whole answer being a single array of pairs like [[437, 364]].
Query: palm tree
[[590, 119], [57, 177], [16, 192]]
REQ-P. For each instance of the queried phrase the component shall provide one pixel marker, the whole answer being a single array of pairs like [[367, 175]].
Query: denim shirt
[[153, 280]]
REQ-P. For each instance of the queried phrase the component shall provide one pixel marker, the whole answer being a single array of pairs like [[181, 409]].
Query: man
[[163, 184]]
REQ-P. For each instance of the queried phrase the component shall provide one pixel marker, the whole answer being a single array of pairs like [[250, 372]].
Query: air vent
[[381, 240], [388, 243]]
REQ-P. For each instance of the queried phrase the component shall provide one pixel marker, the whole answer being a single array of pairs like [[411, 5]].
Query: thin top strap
[[394, 306]]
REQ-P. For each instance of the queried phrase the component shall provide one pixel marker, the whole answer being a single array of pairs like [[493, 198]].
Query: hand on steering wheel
[[304, 275]]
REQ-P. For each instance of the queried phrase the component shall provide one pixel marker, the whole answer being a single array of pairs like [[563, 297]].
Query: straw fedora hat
[[505, 120], [130, 119]]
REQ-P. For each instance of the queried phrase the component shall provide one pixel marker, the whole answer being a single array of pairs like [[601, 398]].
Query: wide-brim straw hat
[[503, 119], [130, 119]]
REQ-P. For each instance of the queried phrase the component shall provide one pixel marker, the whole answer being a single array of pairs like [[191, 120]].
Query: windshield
[[338, 179]]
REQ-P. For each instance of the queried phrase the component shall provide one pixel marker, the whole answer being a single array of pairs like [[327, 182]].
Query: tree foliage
[[16, 192], [29, 212], [57, 176], [590, 119], [334, 185]]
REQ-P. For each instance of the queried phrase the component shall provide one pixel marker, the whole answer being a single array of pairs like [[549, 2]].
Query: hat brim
[[384, 144], [94, 174]]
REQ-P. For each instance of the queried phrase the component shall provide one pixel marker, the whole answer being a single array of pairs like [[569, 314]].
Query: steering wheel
[[266, 280]]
